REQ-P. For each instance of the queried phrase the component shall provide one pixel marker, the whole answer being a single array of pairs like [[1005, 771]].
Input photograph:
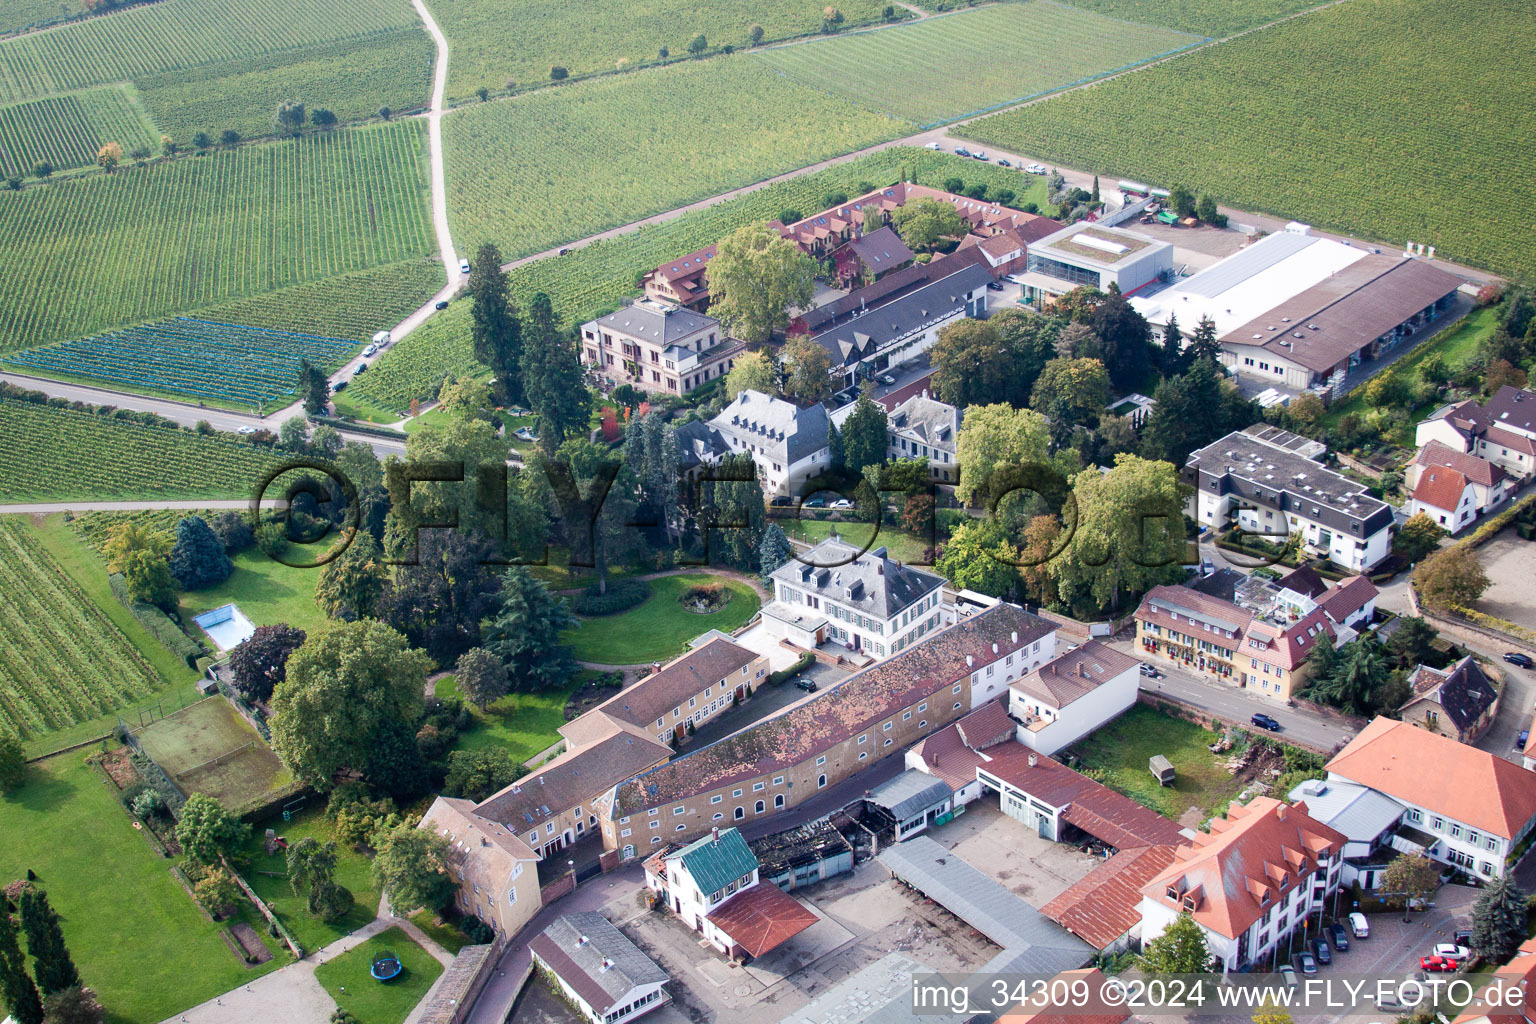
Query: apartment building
[[598, 970], [495, 871], [1454, 488], [926, 428], [1073, 694], [656, 346], [1502, 432], [788, 444], [1269, 481], [686, 692]]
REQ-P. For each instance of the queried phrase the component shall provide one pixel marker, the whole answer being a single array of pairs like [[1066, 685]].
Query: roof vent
[[582, 941], [1034, 759]]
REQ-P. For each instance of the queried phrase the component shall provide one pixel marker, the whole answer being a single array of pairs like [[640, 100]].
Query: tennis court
[[209, 748]]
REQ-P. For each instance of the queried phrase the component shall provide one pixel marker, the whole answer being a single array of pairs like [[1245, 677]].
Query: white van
[[1359, 926], [381, 339], [463, 266]]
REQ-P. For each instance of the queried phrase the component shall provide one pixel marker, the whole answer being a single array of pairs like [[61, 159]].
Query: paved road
[[46, 507]]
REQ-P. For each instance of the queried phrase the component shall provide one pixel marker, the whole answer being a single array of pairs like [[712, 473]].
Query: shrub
[[558, 74], [621, 596]]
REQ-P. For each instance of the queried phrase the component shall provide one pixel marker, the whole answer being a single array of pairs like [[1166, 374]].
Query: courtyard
[[1510, 563]]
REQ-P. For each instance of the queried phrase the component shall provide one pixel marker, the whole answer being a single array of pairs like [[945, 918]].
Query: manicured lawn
[[267, 591], [660, 628], [135, 934], [269, 877], [445, 934], [907, 547], [347, 979], [520, 723], [1123, 748]]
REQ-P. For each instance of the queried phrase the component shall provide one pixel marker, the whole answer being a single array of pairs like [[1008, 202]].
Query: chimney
[[1281, 811], [582, 940], [1034, 759], [607, 965], [715, 833]]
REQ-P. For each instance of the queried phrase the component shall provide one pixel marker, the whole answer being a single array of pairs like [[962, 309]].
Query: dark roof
[[1462, 691], [1222, 583], [1512, 407], [845, 709], [929, 420], [662, 326], [1324, 324], [699, 443], [871, 296], [881, 250], [581, 964], [864, 335], [1478, 470], [762, 918], [658, 693], [873, 582], [773, 425], [717, 860], [906, 794], [1348, 598], [1304, 580], [570, 779]]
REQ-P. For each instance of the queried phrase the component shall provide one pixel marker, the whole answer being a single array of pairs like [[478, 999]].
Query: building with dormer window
[[788, 444], [656, 346]]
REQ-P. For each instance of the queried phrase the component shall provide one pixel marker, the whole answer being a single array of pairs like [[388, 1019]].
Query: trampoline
[[386, 966]]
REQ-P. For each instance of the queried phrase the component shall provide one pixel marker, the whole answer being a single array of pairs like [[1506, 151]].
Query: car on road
[[440, 304], [1305, 964], [980, 155], [1149, 671], [463, 266], [1337, 935], [562, 252], [1035, 169], [887, 379], [1003, 163], [360, 368], [246, 430], [371, 351], [841, 504], [962, 151], [1390, 1000], [1439, 964], [339, 385], [1287, 975], [1324, 954], [808, 685], [1451, 950], [780, 500], [1516, 658], [1264, 721], [816, 503], [933, 145], [1359, 925]]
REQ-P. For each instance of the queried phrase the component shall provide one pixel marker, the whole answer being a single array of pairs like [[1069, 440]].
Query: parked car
[[1324, 954], [246, 430], [339, 385], [1149, 671], [562, 252], [995, 286], [371, 351], [440, 304], [1305, 964], [808, 685], [1522, 739], [962, 151], [816, 503], [1439, 964], [1516, 658], [980, 155], [1035, 169], [887, 379], [841, 504], [1359, 926], [1264, 721], [1337, 935], [463, 266], [1390, 1001], [1287, 975], [780, 500], [360, 368], [1003, 163], [933, 145], [1451, 950], [381, 339], [1463, 937]]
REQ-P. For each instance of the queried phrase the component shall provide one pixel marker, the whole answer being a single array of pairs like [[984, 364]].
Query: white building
[[1088, 254], [1067, 698], [788, 444], [1503, 431], [1453, 488], [926, 428], [599, 970]]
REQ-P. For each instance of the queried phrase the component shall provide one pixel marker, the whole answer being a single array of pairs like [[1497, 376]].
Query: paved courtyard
[[1036, 869], [1510, 563]]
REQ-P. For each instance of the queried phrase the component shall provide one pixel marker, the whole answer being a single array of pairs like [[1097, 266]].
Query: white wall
[[991, 682], [1077, 719]]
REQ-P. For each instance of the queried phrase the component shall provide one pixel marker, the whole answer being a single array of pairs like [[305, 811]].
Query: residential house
[[598, 969], [1250, 883], [1502, 432], [495, 871], [656, 346], [1512, 983], [870, 256], [1459, 701], [1088, 254], [1270, 482], [1070, 696], [682, 282], [788, 444], [1349, 603], [926, 428], [1462, 805], [686, 692], [1453, 488]]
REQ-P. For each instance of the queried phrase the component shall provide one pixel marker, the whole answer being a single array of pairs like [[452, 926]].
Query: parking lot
[[1510, 563]]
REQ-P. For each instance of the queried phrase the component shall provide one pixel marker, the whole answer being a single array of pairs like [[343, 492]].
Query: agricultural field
[[66, 131], [93, 528], [247, 366], [245, 221], [1306, 120], [61, 660], [50, 454], [494, 43], [1216, 18], [21, 15], [1011, 52], [354, 305], [594, 279], [536, 170]]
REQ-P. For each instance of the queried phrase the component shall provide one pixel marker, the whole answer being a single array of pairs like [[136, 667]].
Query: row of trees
[[53, 991], [156, 566]]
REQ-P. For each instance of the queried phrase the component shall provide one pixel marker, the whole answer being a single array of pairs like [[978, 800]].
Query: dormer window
[[1173, 893]]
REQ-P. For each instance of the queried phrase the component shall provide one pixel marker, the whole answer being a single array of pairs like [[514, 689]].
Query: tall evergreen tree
[[198, 560], [1127, 339], [525, 633], [497, 333], [16, 988], [773, 551], [51, 962], [314, 386], [552, 379], [1498, 920], [1172, 354], [1203, 343], [733, 514]]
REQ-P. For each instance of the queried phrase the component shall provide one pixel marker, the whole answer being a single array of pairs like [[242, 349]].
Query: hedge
[[801, 664], [359, 427], [620, 596], [160, 625]]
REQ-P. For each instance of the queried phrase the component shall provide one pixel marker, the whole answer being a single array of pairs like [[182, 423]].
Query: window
[[549, 829], [923, 724], [778, 801], [692, 701], [759, 808], [863, 754], [778, 780], [717, 816], [886, 743], [511, 897], [655, 840], [821, 760], [956, 707], [680, 828], [906, 716], [653, 812], [886, 727], [956, 687], [716, 799], [863, 740], [624, 833], [677, 810], [821, 782], [741, 812], [735, 792], [923, 706], [757, 787], [655, 824]]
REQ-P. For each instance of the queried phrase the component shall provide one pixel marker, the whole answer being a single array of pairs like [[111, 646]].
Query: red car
[[1442, 964]]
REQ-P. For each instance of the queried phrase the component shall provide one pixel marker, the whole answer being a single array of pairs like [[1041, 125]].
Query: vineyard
[[249, 366], [66, 131], [537, 170], [53, 454], [20, 15], [1308, 120], [494, 42], [95, 527], [1010, 52], [1217, 18], [61, 660], [595, 278], [352, 305], [146, 242]]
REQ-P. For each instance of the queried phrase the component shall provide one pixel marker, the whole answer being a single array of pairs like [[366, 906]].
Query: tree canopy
[[864, 435], [552, 376], [260, 662], [496, 332], [206, 830], [1451, 578], [991, 438], [809, 366], [928, 224], [1181, 949], [755, 278], [752, 371], [1071, 390], [411, 869], [524, 633], [979, 362], [439, 601]]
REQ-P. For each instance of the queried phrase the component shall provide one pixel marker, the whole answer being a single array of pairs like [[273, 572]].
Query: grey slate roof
[[929, 420], [662, 327], [561, 947], [1462, 691], [774, 425], [1038, 944], [874, 583], [879, 994], [909, 793], [1358, 811], [698, 443], [1512, 407], [881, 250], [869, 333]]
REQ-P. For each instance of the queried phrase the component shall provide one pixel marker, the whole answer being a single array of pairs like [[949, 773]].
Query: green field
[[354, 305], [1309, 120], [137, 937], [1218, 18], [267, 591], [49, 454], [209, 748], [189, 233], [1010, 52], [66, 131], [62, 661], [559, 164], [20, 15], [593, 279], [493, 42], [1120, 751], [522, 724], [660, 627], [347, 979], [268, 875]]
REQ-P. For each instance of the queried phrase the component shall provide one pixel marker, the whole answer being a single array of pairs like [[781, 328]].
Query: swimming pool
[[226, 626]]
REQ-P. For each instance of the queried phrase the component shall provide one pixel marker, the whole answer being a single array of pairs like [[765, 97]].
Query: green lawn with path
[[660, 628], [268, 875], [445, 934], [900, 544], [135, 934], [267, 591], [1122, 749], [347, 979], [520, 723]]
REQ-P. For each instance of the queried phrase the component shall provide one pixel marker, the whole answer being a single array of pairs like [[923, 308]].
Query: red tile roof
[[1348, 597], [1103, 905], [762, 918], [1519, 973], [891, 400], [659, 693], [685, 266], [1076, 673], [1155, 608], [1287, 646], [1479, 471], [1440, 487]]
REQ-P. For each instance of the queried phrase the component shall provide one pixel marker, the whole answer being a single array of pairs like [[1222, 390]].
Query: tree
[[496, 330], [1501, 374], [599, 502], [1181, 949], [1353, 684], [42, 169], [289, 118], [326, 441], [1498, 920], [977, 362], [438, 602], [1192, 410], [74, 1005], [149, 578], [755, 279], [259, 663], [1203, 343], [772, 552], [476, 774], [1074, 390], [979, 556], [864, 435], [753, 371], [51, 963], [917, 513], [1418, 537], [206, 829], [1182, 201], [216, 892], [17, 992], [385, 113], [755, 34], [345, 680], [395, 766], [293, 434], [809, 370], [481, 676], [1205, 209], [993, 438], [1306, 411], [927, 225], [198, 559], [315, 388], [312, 867], [698, 44], [13, 762], [1127, 339], [524, 633], [202, 140], [1078, 305], [552, 376], [1409, 879], [1412, 643], [167, 146], [350, 587], [1451, 578], [560, 74], [465, 398], [109, 156], [229, 138], [411, 869], [732, 515], [474, 444]]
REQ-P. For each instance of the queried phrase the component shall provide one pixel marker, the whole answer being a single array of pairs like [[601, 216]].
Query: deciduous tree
[[864, 436], [994, 438], [109, 156], [351, 586], [1180, 949], [149, 578], [928, 225], [1075, 390], [481, 676], [411, 869], [289, 118], [259, 663], [476, 774], [809, 367], [979, 556], [978, 362], [206, 830], [1409, 879], [755, 278], [74, 1005], [1451, 578], [753, 371], [438, 602]]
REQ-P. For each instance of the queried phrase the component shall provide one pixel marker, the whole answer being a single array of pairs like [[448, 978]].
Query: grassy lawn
[[903, 546], [267, 591], [659, 628], [520, 723], [135, 934], [347, 979], [269, 877], [446, 935], [1123, 748]]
